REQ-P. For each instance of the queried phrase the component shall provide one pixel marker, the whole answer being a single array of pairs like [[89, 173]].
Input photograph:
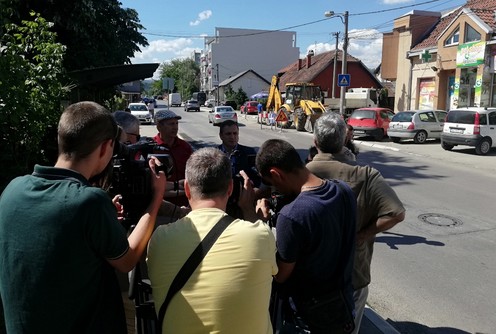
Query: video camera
[[131, 175]]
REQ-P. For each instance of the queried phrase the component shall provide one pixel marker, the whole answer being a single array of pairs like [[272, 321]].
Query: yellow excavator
[[302, 103]]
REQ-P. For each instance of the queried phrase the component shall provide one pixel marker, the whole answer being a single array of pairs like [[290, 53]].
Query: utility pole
[[335, 65], [218, 82], [344, 68]]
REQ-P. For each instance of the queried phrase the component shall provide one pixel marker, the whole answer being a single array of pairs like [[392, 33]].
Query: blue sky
[[174, 28]]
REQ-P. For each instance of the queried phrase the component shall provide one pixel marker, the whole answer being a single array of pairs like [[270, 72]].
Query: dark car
[[191, 105], [230, 103]]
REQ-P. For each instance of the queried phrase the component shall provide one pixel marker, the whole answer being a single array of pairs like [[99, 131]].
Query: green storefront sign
[[470, 54]]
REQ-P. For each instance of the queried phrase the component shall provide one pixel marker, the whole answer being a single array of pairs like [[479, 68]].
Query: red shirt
[[180, 151]]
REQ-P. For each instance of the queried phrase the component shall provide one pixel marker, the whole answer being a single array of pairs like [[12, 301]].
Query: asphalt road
[[434, 272]]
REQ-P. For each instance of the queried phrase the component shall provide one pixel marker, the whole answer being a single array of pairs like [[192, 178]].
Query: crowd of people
[[212, 269]]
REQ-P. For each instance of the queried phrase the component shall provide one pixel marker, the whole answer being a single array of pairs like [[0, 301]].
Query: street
[[434, 272]]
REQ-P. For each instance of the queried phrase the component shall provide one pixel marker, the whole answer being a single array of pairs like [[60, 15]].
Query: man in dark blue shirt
[[315, 239]]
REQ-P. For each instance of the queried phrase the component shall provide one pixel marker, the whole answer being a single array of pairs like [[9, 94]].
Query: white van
[[471, 126], [175, 99]]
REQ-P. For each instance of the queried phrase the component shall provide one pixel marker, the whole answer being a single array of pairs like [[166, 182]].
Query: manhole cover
[[438, 219]]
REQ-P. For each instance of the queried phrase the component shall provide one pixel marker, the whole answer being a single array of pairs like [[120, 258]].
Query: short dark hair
[[278, 153], [127, 121], [82, 127], [227, 123], [208, 172]]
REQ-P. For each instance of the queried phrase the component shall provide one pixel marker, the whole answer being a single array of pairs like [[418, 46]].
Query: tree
[[185, 73], [239, 97], [31, 89], [95, 32]]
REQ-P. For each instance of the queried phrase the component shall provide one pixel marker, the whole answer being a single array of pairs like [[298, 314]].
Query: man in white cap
[[168, 125]]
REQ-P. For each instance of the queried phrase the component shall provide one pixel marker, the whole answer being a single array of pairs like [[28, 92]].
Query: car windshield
[[138, 107], [363, 114], [253, 104], [403, 117], [461, 116], [224, 109]]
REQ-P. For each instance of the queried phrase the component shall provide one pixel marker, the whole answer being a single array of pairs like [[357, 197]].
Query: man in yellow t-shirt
[[230, 290]]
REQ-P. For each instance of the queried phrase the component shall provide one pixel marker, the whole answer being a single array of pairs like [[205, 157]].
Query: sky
[[175, 29]]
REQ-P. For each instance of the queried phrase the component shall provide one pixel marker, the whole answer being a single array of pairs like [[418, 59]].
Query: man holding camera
[[60, 238], [315, 239], [229, 291], [168, 126]]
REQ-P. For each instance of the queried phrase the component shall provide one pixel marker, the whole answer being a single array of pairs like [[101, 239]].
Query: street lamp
[[344, 19]]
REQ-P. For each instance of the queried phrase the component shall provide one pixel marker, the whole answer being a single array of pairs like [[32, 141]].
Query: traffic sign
[[168, 84], [344, 80], [281, 116]]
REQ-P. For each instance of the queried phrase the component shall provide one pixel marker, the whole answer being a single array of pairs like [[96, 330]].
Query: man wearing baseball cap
[[167, 123]]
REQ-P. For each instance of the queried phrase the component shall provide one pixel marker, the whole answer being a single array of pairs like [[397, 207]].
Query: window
[[427, 117], [471, 35], [454, 38], [492, 118]]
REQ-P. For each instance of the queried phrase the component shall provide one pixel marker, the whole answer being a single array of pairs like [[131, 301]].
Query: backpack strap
[[192, 263]]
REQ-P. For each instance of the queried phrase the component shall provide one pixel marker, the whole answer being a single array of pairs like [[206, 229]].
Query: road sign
[[168, 84], [344, 80], [281, 116]]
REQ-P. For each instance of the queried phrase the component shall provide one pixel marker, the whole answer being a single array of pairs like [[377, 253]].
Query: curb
[[381, 325]]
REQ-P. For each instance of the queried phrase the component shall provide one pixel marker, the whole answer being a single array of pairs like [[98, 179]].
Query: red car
[[371, 122], [249, 107]]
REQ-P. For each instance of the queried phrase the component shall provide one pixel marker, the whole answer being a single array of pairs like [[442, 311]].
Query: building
[[233, 51], [249, 81], [443, 60], [319, 70]]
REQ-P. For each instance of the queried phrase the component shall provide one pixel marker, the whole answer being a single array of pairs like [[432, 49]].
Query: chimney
[[300, 63], [309, 58]]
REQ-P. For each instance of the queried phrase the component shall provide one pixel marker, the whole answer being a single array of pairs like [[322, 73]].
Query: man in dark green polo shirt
[[60, 238]]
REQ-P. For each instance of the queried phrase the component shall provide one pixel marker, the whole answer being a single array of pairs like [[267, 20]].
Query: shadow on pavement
[[393, 240], [407, 327]]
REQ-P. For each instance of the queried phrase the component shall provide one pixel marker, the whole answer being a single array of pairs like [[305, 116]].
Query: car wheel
[[380, 135], [420, 137], [446, 146], [483, 147], [395, 139]]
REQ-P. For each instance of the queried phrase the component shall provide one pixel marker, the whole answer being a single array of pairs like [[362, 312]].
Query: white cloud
[[205, 15], [365, 45], [164, 49]]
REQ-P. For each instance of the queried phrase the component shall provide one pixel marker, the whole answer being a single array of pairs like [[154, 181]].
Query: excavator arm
[[274, 99]]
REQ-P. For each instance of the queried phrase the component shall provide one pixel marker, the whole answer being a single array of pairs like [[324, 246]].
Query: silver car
[[140, 110], [417, 125], [220, 114]]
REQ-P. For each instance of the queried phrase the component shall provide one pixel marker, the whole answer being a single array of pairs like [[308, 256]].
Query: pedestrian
[[272, 119], [315, 239], [229, 291], [167, 123], [60, 238], [349, 144], [260, 111], [379, 208]]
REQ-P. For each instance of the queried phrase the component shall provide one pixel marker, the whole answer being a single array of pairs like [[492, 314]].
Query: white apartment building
[[232, 51]]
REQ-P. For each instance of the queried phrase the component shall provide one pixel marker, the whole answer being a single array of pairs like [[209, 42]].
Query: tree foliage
[[95, 32], [185, 73], [30, 92], [239, 97]]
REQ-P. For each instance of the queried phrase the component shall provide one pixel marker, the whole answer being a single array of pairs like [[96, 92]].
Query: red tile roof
[[484, 9], [318, 63]]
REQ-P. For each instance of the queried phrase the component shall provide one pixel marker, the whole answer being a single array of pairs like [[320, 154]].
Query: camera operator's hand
[[119, 207], [263, 209], [158, 179], [246, 201]]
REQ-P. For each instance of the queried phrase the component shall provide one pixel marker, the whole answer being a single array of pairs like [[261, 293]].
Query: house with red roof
[[443, 60]]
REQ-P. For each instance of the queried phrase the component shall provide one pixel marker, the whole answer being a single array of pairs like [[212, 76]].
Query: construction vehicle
[[354, 98], [302, 103]]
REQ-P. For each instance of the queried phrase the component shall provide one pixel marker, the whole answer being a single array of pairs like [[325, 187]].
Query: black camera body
[[131, 176]]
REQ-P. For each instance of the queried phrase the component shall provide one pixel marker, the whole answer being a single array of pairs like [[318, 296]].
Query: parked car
[[210, 103], [249, 107], [230, 103], [220, 114], [371, 122], [471, 126], [417, 125], [191, 105], [140, 110]]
